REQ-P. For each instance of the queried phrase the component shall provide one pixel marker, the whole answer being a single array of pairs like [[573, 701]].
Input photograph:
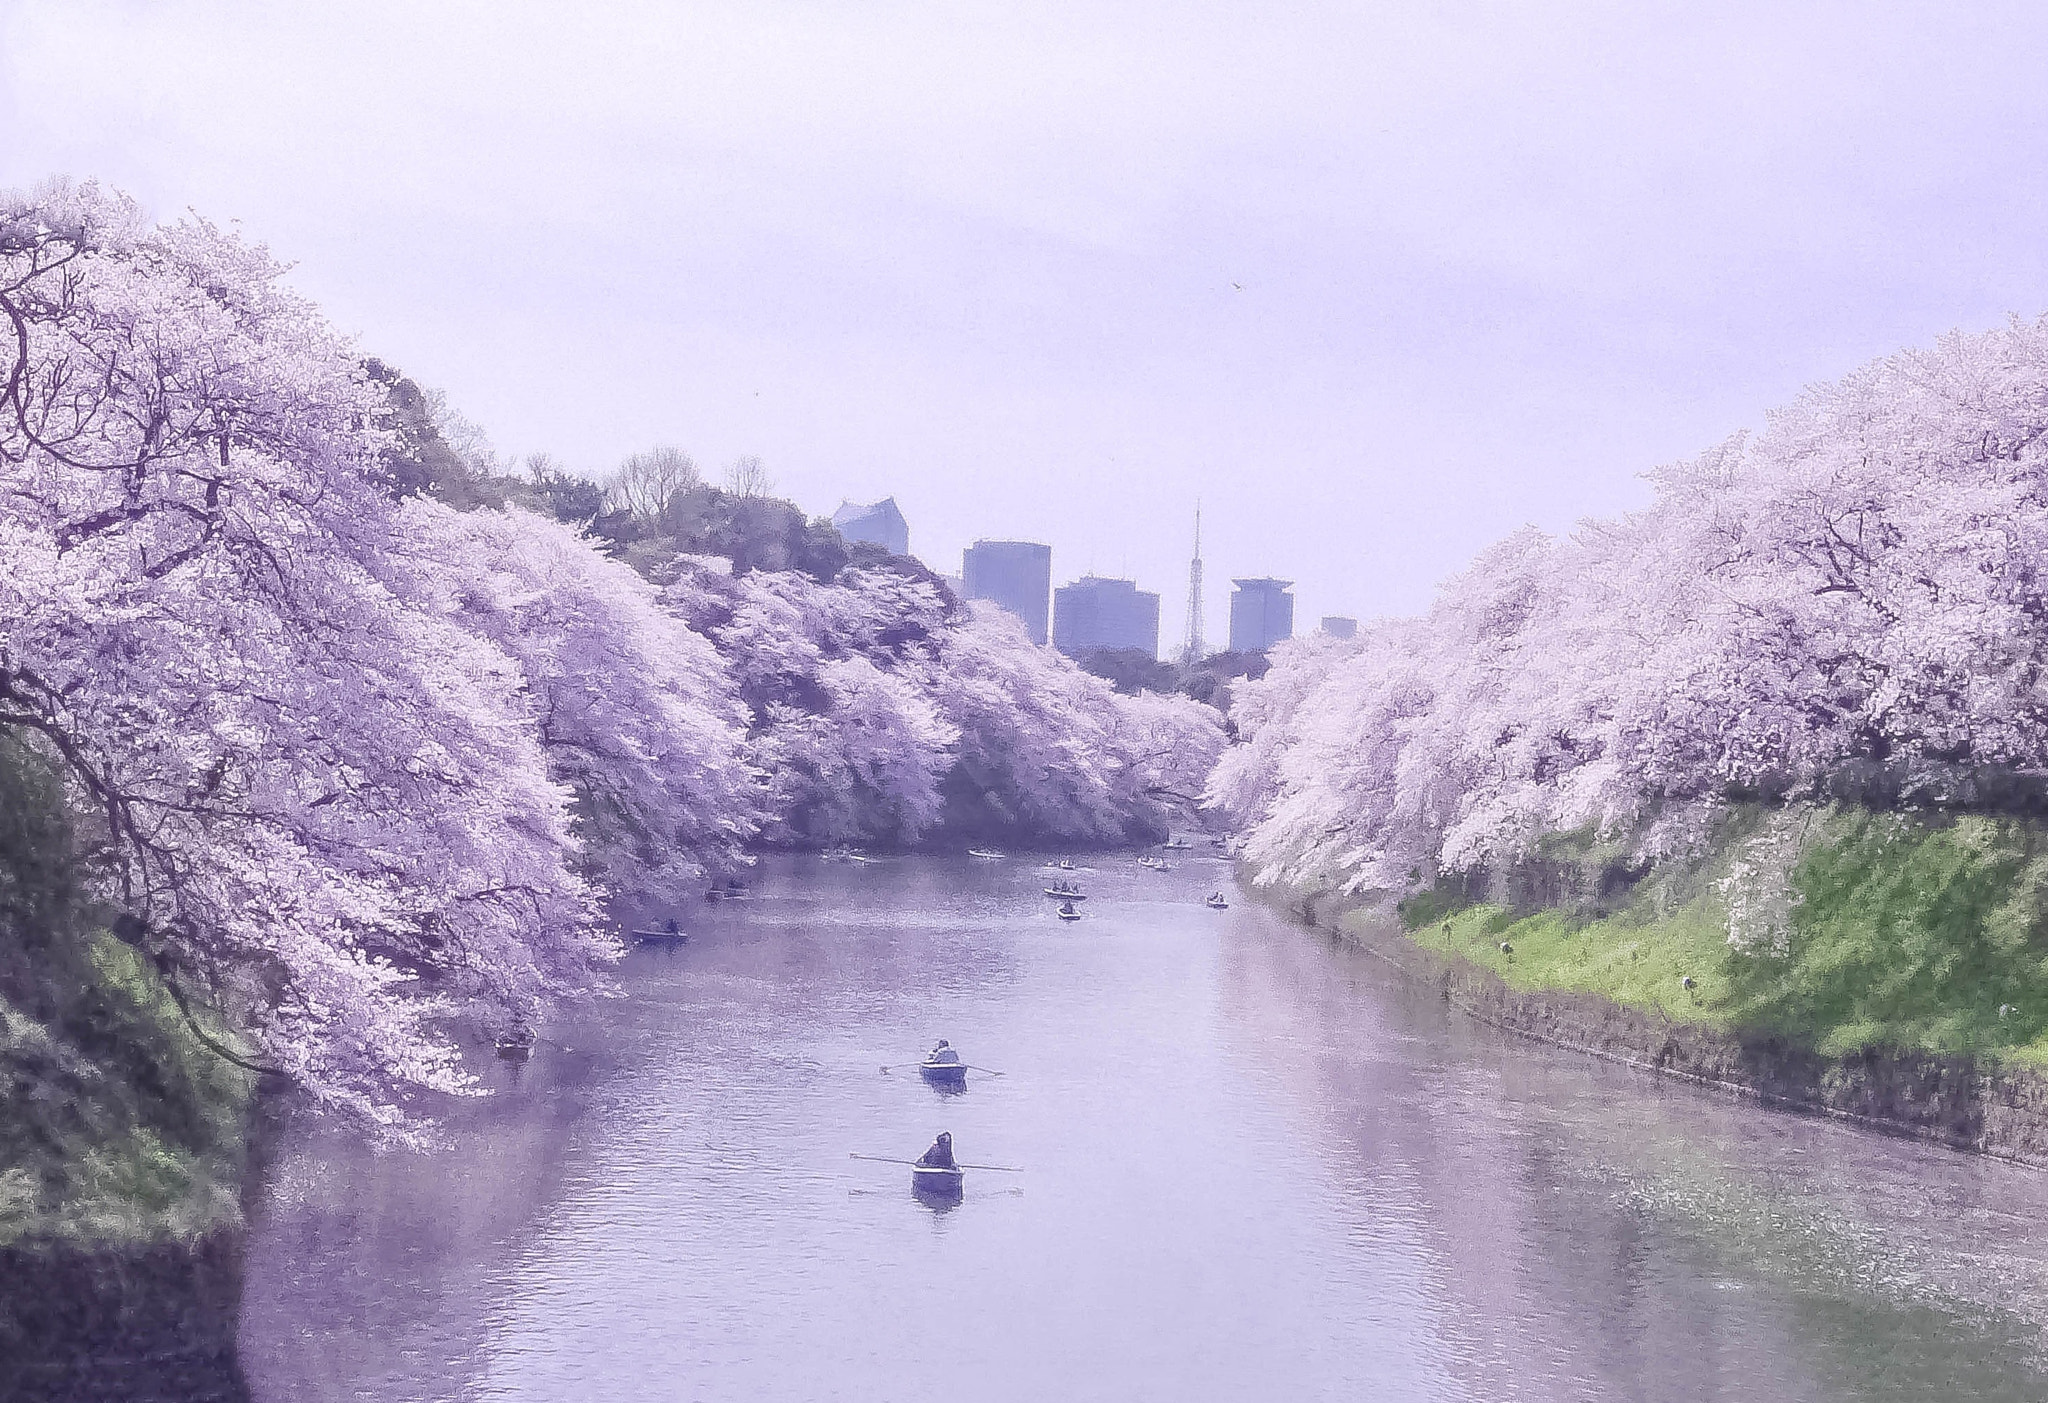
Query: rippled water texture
[[1257, 1165]]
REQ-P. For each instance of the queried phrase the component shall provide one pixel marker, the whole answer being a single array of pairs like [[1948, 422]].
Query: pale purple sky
[[1380, 283]]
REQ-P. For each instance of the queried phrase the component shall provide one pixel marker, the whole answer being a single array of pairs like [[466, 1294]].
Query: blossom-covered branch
[[1852, 603]]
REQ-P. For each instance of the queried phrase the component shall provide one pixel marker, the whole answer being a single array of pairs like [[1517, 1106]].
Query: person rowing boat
[[942, 1066], [668, 933], [935, 1178]]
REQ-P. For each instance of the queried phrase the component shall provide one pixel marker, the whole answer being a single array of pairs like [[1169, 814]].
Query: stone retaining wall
[[1954, 1101], [151, 1323]]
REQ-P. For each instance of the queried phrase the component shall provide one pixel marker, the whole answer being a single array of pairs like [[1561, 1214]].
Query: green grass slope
[[116, 1124], [1891, 931]]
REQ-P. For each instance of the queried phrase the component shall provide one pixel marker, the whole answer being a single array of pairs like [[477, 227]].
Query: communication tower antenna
[[1192, 649]]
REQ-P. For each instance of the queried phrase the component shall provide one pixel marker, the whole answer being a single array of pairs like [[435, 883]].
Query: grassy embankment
[[116, 1124], [1901, 933]]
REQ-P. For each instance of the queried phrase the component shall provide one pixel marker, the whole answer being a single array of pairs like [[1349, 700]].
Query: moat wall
[[144, 1323], [1958, 1101]]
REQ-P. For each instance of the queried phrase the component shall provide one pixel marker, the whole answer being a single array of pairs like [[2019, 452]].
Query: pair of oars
[[887, 1159], [963, 1066]]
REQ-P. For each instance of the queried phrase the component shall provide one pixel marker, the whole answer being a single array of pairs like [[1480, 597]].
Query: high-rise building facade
[[1014, 574], [1339, 626], [1094, 613], [878, 522], [1261, 614]]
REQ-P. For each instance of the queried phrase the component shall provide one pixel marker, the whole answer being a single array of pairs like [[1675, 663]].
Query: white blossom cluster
[[1850, 604], [356, 770]]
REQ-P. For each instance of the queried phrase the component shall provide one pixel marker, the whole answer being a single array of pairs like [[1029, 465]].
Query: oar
[[990, 1070], [890, 1159]]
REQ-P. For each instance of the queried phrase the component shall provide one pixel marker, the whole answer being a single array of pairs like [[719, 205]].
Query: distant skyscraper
[[1094, 613], [877, 522], [1261, 614], [1338, 626], [1014, 574], [1192, 647]]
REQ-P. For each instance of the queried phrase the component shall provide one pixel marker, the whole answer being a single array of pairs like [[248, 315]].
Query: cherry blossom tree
[[852, 747], [638, 715], [363, 770], [1048, 750], [883, 711], [319, 807], [1849, 604]]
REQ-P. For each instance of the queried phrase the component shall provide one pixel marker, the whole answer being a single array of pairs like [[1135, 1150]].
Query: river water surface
[[1257, 1164]]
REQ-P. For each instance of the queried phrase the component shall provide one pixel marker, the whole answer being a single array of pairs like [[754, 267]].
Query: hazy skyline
[[1378, 288]]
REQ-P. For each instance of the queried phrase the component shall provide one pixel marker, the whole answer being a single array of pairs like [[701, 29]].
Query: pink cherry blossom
[[1847, 604]]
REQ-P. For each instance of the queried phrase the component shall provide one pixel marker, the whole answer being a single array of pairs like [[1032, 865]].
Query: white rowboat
[[939, 1183]]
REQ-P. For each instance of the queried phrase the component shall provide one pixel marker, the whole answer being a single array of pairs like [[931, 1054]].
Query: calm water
[[1257, 1166]]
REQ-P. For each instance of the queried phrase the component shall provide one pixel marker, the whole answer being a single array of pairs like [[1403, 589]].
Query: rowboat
[[517, 1048], [668, 936], [1057, 895], [944, 1073], [989, 853], [1067, 912], [1217, 903], [1176, 845], [936, 1182], [1066, 864]]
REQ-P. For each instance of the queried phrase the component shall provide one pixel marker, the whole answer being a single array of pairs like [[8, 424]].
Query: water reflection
[[939, 1200], [1256, 1164], [1654, 1239]]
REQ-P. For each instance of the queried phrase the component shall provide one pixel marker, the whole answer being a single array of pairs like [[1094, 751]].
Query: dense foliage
[[1206, 679], [361, 745], [316, 796], [1850, 604], [116, 1121], [881, 708]]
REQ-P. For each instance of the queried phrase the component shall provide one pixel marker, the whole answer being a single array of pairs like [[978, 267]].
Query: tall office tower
[[1014, 574], [1261, 614], [1338, 626], [877, 522], [1094, 613], [1191, 647]]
